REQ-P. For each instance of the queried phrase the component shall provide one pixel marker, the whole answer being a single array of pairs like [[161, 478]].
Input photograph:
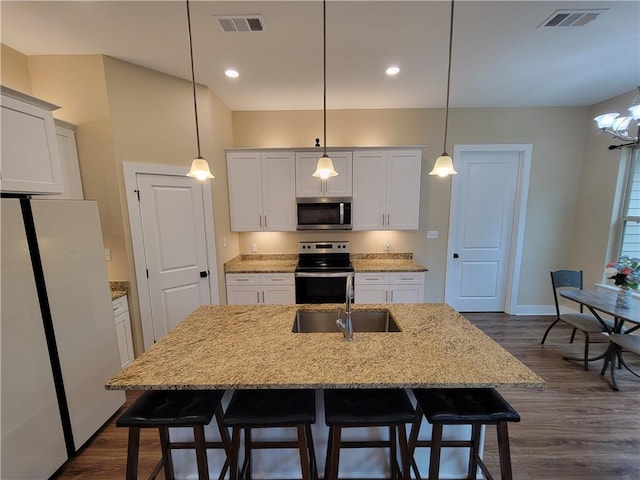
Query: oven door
[[315, 287]]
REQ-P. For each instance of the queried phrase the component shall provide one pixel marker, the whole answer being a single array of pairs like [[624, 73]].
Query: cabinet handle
[[260, 217], [388, 219], [391, 296], [258, 297], [263, 296], [383, 219]]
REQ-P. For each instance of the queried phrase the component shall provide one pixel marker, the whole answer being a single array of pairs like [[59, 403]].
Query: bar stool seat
[[351, 408], [249, 409], [175, 408], [463, 406]]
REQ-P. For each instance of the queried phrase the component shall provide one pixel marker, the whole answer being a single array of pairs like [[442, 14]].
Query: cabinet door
[[309, 186], [403, 189], [245, 191], [278, 294], [406, 293], [278, 191], [342, 185], [306, 184], [243, 295], [371, 293], [123, 332], [369, 190], [30, 158]]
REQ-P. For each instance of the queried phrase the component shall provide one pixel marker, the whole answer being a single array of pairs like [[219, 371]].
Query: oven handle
[[323, 275]]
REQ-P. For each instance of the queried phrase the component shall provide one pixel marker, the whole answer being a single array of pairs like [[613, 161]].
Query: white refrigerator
[[58, 337]]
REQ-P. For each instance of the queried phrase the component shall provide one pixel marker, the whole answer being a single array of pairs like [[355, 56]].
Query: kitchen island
[[253, 346]]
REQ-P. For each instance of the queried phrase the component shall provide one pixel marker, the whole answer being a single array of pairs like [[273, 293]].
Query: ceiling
[[501, 57]]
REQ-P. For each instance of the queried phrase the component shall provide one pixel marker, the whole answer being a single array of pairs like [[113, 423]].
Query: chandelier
[[618, 126]]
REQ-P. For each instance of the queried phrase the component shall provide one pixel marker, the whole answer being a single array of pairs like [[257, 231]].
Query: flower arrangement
[[625, 272]]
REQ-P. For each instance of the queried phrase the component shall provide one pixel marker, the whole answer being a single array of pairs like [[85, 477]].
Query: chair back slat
[[565, 279]]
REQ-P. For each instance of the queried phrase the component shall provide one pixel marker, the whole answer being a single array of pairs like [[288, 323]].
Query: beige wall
[[558, 136], [14, 70]]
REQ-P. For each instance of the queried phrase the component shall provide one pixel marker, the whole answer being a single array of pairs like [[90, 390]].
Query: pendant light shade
[[200, 169], [444, 163], [324, 168], [199, 166]]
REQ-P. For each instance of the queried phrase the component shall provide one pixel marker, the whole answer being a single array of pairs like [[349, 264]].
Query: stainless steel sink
[[314, 321]]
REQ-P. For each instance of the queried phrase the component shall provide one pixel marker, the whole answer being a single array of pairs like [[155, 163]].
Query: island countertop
[[252, 346]]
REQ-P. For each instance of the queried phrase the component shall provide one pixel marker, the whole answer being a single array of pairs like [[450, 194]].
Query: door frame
[[131, 170], [517, 232]]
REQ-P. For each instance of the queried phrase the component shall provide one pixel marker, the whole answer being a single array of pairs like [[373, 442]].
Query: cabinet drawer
[[374, 278], [277, 279], [243, 279], [120, 305], [406, 278]]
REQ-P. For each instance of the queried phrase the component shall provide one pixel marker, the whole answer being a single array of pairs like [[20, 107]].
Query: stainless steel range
[[322, 271]]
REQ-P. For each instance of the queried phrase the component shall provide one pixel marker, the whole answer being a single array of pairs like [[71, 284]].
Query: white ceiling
[[500, 57]]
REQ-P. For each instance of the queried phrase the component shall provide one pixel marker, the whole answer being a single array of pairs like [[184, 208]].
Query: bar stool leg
[[234, 454], [393, 453], [405, 457], [312, 453], [436, 446], [132, 453], [474, 450], [413, 440], [167, 461], [504, 451], [201, 452], [303, 449], [334, 433]]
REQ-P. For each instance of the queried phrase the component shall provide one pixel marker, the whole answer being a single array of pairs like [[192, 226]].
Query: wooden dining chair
[[585, 322]]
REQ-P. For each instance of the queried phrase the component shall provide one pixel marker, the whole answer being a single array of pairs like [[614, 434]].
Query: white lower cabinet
[[260, 288], [389, 287], [123, 330]]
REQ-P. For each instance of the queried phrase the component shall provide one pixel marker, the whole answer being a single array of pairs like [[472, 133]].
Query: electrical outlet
[[254, 248], [107, 254], [432, 234], [224, 242], [387, 245]]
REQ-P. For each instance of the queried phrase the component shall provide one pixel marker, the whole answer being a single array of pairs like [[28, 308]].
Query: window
[[630, 211]]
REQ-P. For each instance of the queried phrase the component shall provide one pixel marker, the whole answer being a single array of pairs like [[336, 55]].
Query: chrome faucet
[[346, 326]]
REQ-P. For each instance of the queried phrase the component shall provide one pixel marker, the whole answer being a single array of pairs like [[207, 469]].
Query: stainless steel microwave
[[324, 213]]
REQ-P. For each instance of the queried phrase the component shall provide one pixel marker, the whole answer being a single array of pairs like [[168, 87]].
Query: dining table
[[600, 302]]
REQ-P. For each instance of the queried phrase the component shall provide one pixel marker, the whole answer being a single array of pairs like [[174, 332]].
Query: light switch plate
[[107, 254], [254, 248]]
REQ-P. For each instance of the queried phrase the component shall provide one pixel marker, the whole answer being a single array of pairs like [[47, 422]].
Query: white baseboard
[[534, 310]]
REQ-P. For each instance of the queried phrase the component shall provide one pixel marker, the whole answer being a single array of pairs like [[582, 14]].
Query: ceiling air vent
[[571, 18], [241, 23]]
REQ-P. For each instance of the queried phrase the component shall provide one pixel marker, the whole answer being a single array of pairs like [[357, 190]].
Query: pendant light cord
[[324, 68], [193, 82], [446, 111]]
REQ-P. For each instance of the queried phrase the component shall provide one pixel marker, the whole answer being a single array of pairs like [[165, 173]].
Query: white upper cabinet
[[309, 186], [30, 157], [66, 137], [261, 191], [386, 189]]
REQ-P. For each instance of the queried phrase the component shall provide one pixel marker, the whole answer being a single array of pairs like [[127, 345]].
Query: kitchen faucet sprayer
[[346, 326]]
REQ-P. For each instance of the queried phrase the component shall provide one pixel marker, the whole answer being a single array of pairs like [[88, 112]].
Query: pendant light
[[199, 166], [324, 168], [444, 163]]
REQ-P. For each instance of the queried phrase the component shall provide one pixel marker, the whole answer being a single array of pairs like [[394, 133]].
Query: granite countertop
[[252, 346], [119, 289], [286, 263]]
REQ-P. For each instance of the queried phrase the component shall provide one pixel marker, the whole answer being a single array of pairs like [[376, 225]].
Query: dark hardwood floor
[[576, 427]]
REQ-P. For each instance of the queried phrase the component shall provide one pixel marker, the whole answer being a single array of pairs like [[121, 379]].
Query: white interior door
[[483, 233], [173, 227]]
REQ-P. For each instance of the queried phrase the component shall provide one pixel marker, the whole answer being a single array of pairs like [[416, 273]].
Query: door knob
[[455, 255], [204, 274]]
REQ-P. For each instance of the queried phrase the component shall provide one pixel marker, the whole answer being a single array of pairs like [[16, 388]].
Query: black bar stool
[[463, 406], [351, 408], [175, 408], [249, 409]]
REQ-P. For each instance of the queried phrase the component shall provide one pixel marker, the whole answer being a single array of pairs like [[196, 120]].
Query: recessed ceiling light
[[231, 73], [393, 70]]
